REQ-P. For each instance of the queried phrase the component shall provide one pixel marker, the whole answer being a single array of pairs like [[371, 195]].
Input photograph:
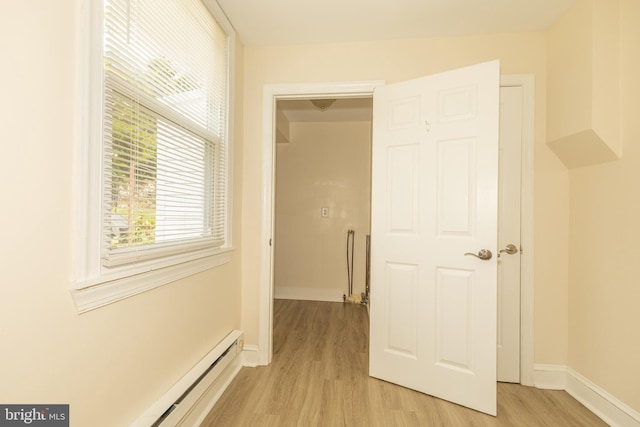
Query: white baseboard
[[308, 294], [550, 377], [610, 409], [600, 402], [250, 356]]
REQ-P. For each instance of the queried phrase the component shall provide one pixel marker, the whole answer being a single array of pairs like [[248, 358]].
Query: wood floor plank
[[319, 377]]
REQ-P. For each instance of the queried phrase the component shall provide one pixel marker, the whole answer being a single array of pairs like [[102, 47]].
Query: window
[[156, 154]]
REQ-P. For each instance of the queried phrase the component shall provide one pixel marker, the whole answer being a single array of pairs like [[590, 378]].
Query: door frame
[[274, 92]]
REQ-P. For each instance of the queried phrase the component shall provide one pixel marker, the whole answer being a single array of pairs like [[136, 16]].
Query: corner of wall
[[583, 92]]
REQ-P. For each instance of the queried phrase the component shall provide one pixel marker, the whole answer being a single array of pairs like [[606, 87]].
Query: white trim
[[309, 294], [250, 356], [108, 291], [527, 82], [160, 251], [550, 377], [600, 402], [265, 296], [222, 20], [88, 178], [272, 93]]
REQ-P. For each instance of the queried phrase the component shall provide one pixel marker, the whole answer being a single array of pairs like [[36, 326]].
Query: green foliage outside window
[[134, 154]]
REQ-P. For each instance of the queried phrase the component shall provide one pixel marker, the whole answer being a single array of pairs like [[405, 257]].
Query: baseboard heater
[[189, 401]]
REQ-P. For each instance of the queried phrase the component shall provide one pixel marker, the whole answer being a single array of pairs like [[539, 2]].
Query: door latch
[[510, 249]]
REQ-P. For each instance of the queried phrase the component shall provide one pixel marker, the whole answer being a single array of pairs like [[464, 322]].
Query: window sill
[[106, 290]]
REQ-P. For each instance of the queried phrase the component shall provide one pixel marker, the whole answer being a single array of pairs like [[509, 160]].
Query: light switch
[[324, 212]]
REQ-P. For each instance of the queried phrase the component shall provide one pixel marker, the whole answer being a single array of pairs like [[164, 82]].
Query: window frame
[[96, 285]]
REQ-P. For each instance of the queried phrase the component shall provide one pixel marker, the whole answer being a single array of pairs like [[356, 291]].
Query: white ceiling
[[285, 22]]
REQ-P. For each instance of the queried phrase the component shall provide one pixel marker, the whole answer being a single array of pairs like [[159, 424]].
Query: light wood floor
[[318, 377]]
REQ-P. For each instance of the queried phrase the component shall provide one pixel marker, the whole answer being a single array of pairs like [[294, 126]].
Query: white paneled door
[[434, 211]]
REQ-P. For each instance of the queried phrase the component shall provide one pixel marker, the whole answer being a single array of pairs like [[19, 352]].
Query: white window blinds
[[164, 142]]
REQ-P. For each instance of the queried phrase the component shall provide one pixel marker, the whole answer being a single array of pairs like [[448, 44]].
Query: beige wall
[[127, 354], [325, 164], [583, 91], [570, 57], [400, 60], [604, 342], [112, 363]]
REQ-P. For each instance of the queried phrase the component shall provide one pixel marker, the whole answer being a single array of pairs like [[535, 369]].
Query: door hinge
[[269, 242]]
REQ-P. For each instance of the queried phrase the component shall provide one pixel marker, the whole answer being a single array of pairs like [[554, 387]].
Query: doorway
[[273, 93], [322, 197]]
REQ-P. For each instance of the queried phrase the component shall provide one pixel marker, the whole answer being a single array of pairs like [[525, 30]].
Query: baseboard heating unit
[[189, 401]]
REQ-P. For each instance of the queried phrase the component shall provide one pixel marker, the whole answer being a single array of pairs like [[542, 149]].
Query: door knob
[[510, 249], [483, 254]]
